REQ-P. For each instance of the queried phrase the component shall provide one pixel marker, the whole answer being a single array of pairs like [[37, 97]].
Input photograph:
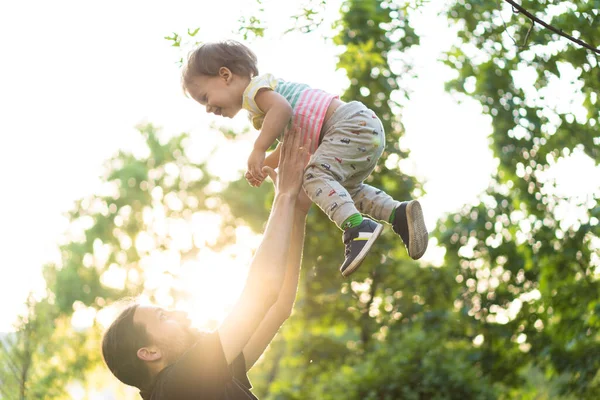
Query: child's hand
[[255, 164], [252, 181]]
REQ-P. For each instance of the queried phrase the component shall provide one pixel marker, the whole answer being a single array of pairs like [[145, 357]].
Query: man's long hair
[[119, 348]]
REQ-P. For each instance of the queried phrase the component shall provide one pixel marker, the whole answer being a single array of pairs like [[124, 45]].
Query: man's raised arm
[[282, 309], [268, 268]]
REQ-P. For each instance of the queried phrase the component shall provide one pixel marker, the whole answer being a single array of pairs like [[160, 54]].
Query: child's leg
[[358, 140], [352, 144], [321, 183], [374, 202], [339, 157], [406, 218]]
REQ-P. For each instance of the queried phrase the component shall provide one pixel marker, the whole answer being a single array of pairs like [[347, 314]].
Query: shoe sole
[[363, 253], [417, 231]]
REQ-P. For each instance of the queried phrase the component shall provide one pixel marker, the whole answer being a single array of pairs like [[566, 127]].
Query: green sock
[[392, 216], [352, 221]]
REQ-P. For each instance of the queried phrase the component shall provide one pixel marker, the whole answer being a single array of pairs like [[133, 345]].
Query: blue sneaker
[[358, 242]]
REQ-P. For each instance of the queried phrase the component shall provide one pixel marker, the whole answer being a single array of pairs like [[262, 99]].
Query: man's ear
[[226, 74], [150, 353]]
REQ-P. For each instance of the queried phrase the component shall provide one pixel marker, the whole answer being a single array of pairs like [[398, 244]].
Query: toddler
[[346, 141]]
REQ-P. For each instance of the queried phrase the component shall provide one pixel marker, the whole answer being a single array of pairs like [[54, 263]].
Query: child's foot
[[410, 226], [358, 242]]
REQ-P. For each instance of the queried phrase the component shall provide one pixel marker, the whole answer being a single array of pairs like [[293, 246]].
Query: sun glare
[[206, 285], [209, 283], [214, 280]]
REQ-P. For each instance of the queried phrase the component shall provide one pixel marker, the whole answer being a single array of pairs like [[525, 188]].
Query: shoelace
[[347, 244]]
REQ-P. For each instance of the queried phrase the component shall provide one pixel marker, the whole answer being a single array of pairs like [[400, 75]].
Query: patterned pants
[[352, 144]]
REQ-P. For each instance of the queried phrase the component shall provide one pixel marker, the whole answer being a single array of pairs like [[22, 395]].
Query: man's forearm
[[267, 271], [282, 309], [287, 296]]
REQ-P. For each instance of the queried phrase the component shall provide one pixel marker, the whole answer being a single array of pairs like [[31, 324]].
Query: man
[[156, 350]]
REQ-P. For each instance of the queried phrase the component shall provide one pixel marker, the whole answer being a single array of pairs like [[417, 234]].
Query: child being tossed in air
[[346, 141]]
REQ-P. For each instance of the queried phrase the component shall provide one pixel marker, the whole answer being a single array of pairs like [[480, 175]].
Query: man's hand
[[255, 164], [292, 161], [303, 202]]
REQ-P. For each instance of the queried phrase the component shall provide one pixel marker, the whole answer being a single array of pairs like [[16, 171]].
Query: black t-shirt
[[202, 373]]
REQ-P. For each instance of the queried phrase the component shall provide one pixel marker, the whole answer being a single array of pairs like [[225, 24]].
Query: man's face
[[170, 331]]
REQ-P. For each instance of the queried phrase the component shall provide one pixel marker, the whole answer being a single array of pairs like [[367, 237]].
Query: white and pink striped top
[[309, 105]]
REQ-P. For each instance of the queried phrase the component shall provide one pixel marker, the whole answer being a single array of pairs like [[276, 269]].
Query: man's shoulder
[[160, 388], [203, 372]]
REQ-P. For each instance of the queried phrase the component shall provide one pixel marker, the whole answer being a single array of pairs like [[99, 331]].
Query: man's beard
[[175, 347]]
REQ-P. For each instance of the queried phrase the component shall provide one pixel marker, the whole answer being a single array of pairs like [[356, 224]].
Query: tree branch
[[364, 332], [548, 26], [10, 361], [4, 392]]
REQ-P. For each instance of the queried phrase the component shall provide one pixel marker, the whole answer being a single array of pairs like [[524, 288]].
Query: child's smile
[[215, 110], [221, 94]]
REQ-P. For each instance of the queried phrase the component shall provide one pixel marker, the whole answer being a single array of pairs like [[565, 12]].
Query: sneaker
[[358, 242], [410, 226]]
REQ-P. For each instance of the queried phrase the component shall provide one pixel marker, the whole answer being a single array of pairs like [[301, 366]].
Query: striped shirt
[[309, 105]]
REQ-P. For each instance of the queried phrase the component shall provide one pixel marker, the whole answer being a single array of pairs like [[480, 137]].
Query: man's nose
[[182, 317]]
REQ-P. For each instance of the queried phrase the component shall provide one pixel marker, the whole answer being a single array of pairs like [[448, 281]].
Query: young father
[[158, 352]]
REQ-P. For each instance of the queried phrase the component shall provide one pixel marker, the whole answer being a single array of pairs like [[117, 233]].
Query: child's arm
[[272, 159], [277, 114]]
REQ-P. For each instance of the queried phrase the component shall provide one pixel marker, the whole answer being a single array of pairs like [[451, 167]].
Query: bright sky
[[77, 77]]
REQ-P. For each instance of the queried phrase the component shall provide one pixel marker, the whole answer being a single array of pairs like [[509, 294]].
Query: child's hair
[[209, 57]]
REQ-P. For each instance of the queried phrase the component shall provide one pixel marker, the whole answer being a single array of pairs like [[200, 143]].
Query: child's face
[[222, 94]]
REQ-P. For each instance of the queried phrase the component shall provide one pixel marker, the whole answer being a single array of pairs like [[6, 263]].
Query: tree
[[529, 272], [44, 354]]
